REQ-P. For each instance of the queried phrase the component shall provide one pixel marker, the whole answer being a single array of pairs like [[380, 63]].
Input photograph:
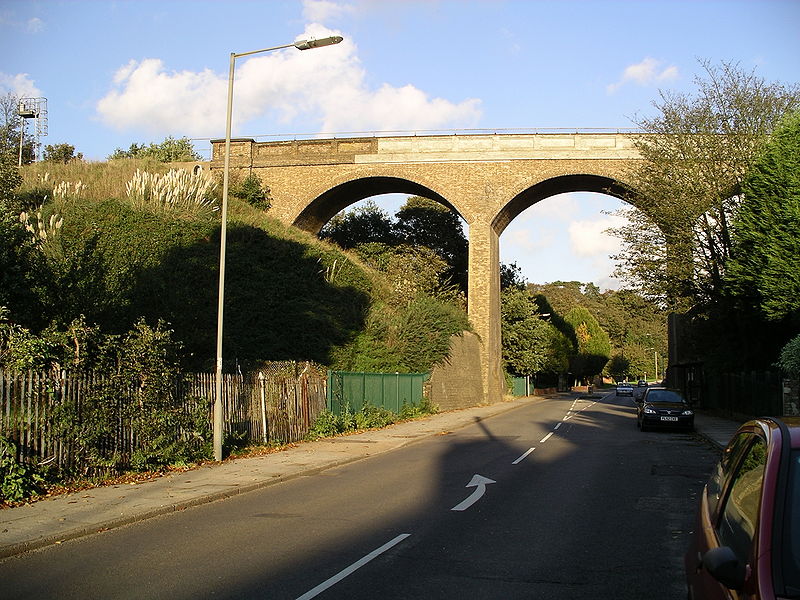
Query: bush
[[369, 417], [17, 481], [139, 391], [789, 359], [251, 191]]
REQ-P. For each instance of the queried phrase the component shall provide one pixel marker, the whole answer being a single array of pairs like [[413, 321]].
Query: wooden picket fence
[[279, 403]]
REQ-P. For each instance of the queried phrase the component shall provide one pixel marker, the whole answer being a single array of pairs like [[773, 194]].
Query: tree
[[593, 345], [170, 150], [789, 359], [10, 129], [696, 153], [366, 224], [526, 337], [765, 264], [511, 276], [425, 222], [61, 153]]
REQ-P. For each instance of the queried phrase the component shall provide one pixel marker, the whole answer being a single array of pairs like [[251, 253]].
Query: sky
[[136, 71]]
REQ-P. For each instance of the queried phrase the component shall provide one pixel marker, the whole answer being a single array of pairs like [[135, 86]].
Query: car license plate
[[669, 418]]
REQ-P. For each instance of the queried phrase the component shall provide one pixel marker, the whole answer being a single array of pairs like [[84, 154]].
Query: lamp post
[[300, 45]]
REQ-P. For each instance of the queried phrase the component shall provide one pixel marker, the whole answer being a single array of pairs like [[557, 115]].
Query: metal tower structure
[[36, 109]]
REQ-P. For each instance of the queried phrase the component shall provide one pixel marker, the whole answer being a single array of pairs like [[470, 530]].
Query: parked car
[[624, 389], [746, 541], [662, 407]]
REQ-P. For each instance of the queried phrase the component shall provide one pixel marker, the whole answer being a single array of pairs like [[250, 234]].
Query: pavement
[[68, 516]]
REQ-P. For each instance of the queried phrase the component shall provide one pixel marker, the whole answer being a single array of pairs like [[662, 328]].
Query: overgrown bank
[[83, 268]]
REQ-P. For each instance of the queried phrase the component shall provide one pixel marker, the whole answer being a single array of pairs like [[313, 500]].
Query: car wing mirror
[[724, 566]]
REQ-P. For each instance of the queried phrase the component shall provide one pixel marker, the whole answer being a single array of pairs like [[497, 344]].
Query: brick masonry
[[487, 179], [791, 397]]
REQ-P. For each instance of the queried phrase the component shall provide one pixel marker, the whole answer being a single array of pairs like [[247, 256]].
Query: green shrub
[[17, 481], [790, 357], [251, 191]]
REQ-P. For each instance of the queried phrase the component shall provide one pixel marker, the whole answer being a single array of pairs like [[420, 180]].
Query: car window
[[664, 396], [791, 538], [739, 517], [724, 466]]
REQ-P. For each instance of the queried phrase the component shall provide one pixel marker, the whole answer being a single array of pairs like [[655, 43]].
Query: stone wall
[[791, 397], [457, 382]]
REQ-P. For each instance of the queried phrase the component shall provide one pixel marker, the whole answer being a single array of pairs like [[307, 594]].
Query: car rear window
[[791, 538]]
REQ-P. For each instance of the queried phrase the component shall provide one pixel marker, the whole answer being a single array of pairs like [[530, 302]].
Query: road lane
[[571, 517]]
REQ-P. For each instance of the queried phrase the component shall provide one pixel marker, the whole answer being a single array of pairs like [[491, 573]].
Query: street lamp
[[300, 45]]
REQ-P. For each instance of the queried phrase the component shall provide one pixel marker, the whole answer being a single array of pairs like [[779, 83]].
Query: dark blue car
[[662, 407]]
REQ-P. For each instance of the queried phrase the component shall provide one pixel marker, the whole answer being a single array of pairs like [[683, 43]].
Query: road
[[558, 499]]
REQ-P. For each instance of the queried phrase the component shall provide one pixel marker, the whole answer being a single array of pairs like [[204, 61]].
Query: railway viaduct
[[488, 179]]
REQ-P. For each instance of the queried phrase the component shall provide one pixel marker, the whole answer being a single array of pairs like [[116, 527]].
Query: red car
[[746, 542]]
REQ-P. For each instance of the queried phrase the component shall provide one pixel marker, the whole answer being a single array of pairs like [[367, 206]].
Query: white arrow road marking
[[521, 458], [352, 568], [479, 482]]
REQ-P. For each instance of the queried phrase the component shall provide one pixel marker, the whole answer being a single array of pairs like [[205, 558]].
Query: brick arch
[[321, 209], [487, 178], [562, 184]]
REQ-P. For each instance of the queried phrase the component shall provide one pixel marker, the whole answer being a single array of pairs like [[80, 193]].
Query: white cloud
[[324, 11], [148, 97], [526, 240], [34, 25], [327, 86], [647, 72], [588, 238], [20, 85]]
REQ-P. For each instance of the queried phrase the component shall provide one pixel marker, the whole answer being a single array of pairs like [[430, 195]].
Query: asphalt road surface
[[557, 499]]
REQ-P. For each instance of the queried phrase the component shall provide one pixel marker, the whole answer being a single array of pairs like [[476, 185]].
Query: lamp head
[[312, 43]]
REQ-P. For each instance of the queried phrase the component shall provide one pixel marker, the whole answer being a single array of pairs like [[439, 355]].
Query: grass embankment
[[289, 295]]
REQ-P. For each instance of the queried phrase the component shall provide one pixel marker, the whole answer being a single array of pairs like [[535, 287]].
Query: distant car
[[625, 389], [642, 383], [662, 407], [747, 534]]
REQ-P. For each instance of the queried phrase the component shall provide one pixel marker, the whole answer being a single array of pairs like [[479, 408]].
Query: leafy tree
[[789, 359], [170, 150], [424, 222], [364, 225], [511, 276], [593, 345], [10, 130], [526, 337], [61, 153], [619, 367], [697, 151], [765, 265]]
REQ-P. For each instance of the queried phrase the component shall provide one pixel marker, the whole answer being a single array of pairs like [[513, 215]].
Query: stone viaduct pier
[[488, 179]]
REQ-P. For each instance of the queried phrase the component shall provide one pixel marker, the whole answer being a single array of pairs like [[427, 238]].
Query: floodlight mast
[[300, 45]]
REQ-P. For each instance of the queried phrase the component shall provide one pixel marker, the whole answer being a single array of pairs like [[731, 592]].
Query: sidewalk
[[70, 516], [717, 430]]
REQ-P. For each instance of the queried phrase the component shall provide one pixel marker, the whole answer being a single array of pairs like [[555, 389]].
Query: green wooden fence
[[387, 390]]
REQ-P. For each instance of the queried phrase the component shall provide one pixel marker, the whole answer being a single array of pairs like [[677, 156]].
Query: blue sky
[[115, 73]]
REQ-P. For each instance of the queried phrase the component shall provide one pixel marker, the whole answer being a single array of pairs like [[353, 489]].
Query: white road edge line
[[545, 438], [352, 568], [521, 458], [557, 426]]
